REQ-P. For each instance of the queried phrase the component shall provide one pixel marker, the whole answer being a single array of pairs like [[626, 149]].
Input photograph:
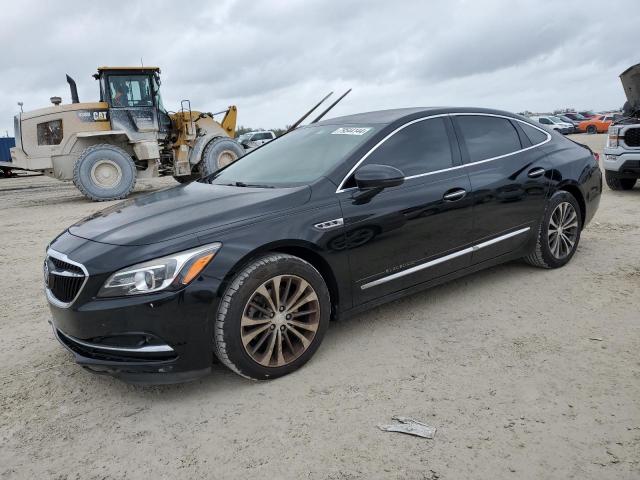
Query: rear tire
[[614, 182], [104, 172], [260, 334], [219, 153], [591, 129], [556, 246]]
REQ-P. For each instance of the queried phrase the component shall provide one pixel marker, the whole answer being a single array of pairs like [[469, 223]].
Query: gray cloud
[[275, 58]]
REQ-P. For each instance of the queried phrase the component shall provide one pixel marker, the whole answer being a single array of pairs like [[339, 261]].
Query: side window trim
[[341, 187], [524, 140], [461, 145]]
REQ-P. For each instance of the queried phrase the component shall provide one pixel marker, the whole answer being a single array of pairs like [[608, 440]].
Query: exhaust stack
[[74, 89]]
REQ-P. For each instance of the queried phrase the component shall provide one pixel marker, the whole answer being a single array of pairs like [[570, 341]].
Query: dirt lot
[[526, 373]]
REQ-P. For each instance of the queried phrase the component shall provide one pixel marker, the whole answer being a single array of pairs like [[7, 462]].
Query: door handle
[[536, 172], [454, 195]]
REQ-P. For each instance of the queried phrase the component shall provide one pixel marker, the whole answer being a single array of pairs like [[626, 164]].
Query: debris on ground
[[409, 426]]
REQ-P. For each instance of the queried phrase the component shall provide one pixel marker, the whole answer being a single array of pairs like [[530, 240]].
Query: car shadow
[[341, 335]]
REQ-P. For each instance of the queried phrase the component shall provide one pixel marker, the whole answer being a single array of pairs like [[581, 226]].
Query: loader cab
[[135, 104]]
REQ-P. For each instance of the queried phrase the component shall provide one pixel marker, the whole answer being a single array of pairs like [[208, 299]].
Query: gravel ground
[[526, 373]]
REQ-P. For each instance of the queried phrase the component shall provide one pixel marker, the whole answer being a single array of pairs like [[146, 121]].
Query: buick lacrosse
[[250, 264]]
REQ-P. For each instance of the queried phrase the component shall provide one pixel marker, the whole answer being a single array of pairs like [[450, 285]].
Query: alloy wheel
[[563, 230], [280, 320]]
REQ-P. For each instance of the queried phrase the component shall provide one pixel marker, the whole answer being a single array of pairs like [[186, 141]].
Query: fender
[[196, 152]]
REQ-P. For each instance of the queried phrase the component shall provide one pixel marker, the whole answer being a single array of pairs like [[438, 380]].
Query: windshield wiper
[[249, 185]]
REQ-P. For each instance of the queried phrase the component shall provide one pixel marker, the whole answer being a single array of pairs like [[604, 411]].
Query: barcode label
[[350, 131]]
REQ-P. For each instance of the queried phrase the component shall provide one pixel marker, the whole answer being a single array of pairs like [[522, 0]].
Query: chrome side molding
[[443, 259]]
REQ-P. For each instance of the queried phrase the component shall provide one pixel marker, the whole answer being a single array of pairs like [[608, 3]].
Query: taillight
[[596, 155]]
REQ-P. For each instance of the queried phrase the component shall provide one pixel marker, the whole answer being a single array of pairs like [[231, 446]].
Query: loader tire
[[219, 153], [104, 172]]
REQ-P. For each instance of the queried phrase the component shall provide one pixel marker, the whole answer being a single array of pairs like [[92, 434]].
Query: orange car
[[596, 124]]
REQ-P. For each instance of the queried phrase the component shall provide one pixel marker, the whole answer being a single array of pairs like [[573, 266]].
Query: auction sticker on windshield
[[351, 131]]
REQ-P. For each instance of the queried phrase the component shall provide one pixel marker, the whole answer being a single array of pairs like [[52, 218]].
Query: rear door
[[509, 176], [417, 231]]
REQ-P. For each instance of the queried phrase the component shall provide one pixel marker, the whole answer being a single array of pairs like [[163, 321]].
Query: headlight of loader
[[166, 273]]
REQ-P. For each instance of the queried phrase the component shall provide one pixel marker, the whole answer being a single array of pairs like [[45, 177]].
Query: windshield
[[299, 157], [244, 137], [130, 91], [556, 120]]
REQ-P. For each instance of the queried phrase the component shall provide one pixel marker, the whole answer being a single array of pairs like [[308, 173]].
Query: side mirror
[[375, 176]]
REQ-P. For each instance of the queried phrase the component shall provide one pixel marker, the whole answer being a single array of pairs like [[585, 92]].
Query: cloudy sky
[[274, 59]]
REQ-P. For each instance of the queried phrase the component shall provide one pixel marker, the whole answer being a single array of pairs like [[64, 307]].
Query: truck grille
[[63, 279], [632, 137]]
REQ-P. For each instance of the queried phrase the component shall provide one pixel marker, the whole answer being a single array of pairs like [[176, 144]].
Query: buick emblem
[[46, 273]]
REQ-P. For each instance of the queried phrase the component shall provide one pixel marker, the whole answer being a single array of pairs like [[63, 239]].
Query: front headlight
[[614, 137], [166, 273]]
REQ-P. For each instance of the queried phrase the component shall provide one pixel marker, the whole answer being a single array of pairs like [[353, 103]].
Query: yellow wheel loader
[[104, 146]]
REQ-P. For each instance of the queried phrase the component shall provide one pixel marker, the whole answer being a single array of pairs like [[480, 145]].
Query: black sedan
[[250, 264]]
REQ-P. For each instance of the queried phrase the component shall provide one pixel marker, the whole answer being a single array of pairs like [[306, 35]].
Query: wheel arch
[[574, 190], [297, 248]]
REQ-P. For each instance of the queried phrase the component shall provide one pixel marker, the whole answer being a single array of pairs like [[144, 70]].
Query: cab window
[[130, 91]]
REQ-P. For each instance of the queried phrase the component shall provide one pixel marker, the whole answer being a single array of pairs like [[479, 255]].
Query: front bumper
[[133, 368], [163, 337], [156, 339], [622, 161]]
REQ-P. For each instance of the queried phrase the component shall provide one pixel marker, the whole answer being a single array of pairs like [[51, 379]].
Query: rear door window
[[535, 135], [488, 137], [419, 148]]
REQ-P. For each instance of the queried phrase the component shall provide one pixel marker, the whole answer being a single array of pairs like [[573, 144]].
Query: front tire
[[559, 232], [272, 317], [614, 182], [104, 172], [591, 130], [219, 153]]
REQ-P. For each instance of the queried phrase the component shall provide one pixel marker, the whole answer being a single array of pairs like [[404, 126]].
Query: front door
[[417, 231]]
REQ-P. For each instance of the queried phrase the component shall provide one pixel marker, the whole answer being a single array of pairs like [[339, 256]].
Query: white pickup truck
[[622, 150], [251, 140]]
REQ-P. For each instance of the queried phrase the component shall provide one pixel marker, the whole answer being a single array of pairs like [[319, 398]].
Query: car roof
[[386, 117]]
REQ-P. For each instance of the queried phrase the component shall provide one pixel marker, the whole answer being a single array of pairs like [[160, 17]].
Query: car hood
[[631, 83], [185, 210]]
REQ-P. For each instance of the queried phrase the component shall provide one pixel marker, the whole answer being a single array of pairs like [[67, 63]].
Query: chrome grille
[[63, 278]]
